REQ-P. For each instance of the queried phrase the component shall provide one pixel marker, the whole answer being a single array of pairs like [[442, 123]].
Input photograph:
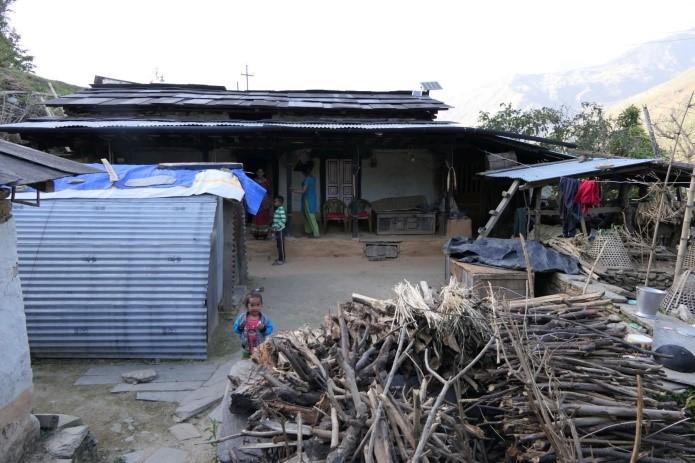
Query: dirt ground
[[295, 294]]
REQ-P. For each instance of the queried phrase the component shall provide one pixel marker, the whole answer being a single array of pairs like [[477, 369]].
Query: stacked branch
[[443, 377], [568, 388]]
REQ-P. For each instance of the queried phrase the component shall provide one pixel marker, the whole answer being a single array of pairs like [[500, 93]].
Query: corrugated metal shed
[[571, 168], [118, 278]]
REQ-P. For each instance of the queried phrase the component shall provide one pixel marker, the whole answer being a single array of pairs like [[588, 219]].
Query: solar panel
[[434, 85]]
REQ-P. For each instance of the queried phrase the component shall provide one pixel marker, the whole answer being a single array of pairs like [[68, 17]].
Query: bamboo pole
[[663, 192]]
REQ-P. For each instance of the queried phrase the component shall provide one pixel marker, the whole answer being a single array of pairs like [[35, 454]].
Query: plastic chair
[[361, 209], [334, 210]]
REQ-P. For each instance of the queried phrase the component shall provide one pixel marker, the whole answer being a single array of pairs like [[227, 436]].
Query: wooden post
[[650, 129], [495, 215], [288, 198], [663, 193], [355, 192], [537, 214], [685, 228]]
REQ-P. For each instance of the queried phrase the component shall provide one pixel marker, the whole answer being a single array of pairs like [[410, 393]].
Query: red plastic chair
[[361, 209], [334, 210]]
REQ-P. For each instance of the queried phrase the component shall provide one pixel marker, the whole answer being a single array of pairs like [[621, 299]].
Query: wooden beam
[[537, 215], [495, 215], [593, 210]]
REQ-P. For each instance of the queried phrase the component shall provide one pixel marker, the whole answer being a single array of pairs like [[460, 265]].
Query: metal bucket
[[648, 301]]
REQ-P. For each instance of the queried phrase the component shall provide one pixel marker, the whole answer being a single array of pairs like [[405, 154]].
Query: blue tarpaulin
[[134, 177]]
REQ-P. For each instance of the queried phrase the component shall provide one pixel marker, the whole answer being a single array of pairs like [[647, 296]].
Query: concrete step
[[343, 246]]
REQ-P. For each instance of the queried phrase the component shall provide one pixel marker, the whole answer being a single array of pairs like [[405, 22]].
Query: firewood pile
[[444, 377], [568, 388]]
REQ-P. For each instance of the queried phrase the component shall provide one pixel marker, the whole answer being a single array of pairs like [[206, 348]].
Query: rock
[[129, 439], [133, 457], [116, 428], [75, 443], [139, 376], [64, 443], [168, 455], [47, 422], [184, 431], [69, 421]]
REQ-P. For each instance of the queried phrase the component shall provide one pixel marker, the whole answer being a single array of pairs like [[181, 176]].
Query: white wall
[[399, 173], [15, 367]]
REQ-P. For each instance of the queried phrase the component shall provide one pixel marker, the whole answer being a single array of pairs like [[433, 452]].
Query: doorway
[[339, 180]]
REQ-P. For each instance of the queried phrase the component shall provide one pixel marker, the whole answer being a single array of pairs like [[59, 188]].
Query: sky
[[345, 45]]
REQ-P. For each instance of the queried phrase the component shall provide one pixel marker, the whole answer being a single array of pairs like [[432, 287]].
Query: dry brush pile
[[444, 377]]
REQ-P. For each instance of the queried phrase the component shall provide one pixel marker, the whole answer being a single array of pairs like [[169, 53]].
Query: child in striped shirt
[[278, 227]]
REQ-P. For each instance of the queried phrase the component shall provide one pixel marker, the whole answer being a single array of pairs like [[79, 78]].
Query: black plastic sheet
[[509, 254]]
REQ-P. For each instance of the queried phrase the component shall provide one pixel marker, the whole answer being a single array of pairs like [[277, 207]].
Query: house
[[134, 263], [360, 144], [19, 166]]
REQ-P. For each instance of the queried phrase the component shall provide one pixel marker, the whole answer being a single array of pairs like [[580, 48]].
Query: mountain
[[636, 71], [665, 101]]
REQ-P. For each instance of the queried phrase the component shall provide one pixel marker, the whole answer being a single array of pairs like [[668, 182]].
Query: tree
[[629, 137], [538, 122], [590, 128], [11, 54]]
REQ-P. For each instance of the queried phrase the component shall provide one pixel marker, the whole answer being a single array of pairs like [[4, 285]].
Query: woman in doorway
[[309, 208], [260, 223]]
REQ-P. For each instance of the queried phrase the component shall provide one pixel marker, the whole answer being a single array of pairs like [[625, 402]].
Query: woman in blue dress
[[309, 207]]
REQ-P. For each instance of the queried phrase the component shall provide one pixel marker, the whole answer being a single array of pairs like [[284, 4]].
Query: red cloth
[[588, 195], [251, 327]]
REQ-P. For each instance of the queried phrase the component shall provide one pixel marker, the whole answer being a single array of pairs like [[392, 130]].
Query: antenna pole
[[247, 75]]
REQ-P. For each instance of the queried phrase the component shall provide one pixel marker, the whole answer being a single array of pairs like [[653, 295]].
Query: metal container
[[648, 301]]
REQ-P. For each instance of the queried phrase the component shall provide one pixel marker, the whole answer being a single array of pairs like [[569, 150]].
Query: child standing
[[278, 227], [251, 325]]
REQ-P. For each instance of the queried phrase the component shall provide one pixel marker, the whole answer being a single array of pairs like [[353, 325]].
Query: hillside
[[16, 80], [663, 101], [636, 71]]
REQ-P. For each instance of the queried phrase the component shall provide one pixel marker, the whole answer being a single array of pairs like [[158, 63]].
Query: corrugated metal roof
[[102, 96], [378, 125], [21, 165], [116, 278], [130, 123], [570, 168]]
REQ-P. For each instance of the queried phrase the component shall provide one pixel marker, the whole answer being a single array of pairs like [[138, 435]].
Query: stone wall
[[18, 428], [630, 279]]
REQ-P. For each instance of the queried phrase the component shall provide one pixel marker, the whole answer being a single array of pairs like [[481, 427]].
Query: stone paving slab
[[220, 375], [200, 400], [166, 373], [184, 431], [168, 455], [157, 387], [217, 414], [162, 396], [134, 457]]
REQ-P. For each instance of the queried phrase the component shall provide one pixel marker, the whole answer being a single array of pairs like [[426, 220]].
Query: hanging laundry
[[588, 195], [569, 210]]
